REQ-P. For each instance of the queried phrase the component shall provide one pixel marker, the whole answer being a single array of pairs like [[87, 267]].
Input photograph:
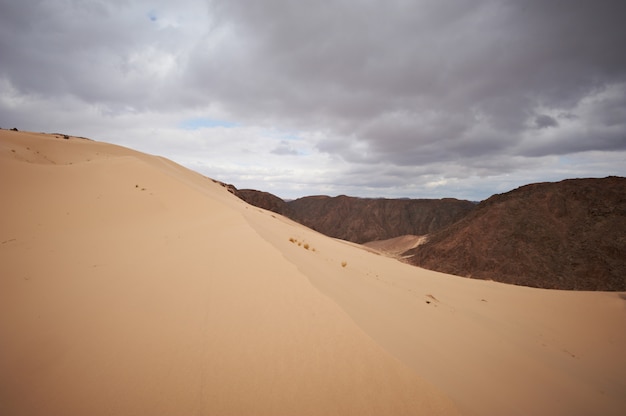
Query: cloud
[[203, 122], [284, 148], [411, 98], [543, 121]]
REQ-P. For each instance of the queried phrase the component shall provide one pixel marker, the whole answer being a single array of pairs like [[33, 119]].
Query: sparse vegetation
[[306, 246]]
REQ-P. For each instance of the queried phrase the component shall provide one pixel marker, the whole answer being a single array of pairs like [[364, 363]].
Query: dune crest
[[131, 285]]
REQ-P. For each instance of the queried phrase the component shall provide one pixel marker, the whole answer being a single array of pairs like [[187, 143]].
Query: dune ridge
[[131, 285]]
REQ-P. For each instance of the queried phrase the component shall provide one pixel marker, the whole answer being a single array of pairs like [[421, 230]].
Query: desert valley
[[132, 285]]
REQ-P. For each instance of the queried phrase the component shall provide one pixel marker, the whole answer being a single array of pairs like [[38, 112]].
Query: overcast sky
[[389, 98]]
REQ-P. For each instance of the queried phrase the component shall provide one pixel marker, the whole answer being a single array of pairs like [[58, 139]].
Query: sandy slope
[[394, 247], [132, 286], [494, 348], [129, 285]]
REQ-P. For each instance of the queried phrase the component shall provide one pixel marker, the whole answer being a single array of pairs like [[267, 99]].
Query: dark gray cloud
[[421, 81], [373, 86], [543, 121]]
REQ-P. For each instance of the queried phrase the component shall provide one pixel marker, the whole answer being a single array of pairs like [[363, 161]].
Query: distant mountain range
[[362, 219], [564, 235]]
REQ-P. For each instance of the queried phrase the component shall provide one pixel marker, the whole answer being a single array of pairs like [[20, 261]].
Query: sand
[[131, 285], [395, 247]]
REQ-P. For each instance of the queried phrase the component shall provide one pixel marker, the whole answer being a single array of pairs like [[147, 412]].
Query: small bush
[[344, 263], [306, 246]]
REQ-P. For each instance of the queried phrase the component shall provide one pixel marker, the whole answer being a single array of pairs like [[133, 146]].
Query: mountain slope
[[263, 200], [362, 220], [565, 235]]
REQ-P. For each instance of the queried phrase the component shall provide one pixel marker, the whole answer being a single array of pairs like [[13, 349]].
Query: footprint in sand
[[431, 299]]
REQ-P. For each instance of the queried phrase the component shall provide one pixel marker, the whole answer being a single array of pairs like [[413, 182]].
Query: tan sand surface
[[394, 247], [130, 285], [494, 348]]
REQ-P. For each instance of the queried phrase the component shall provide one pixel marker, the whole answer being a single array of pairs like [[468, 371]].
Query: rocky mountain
[[564, 235], [362, 219], [263, 200]]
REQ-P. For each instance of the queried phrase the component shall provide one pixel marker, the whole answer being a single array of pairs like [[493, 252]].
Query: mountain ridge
[[362, 220], [556, 235]]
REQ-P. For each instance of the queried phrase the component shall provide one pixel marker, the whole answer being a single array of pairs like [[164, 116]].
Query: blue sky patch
[[205, 123]]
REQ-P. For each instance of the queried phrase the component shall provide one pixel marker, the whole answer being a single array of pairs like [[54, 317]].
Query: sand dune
[[130, 285]]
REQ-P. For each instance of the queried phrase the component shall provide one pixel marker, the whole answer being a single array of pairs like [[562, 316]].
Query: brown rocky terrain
[[263, 200], [361, 220], [565, 235]]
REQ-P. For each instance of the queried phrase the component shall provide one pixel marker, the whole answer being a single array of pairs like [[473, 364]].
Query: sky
[[388, 98]]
